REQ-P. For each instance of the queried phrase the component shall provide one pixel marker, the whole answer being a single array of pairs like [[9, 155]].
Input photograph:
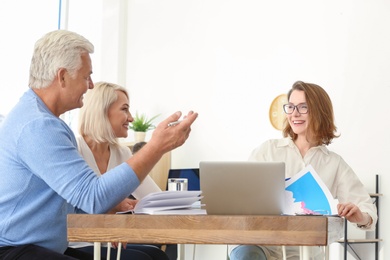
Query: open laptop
[[242, 188]]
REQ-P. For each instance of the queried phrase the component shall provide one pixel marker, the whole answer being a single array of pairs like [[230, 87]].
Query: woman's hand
[[116, 244], [125, 205], [353, 214]]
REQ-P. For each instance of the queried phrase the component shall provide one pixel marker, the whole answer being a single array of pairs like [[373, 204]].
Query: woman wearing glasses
[[308, 129]]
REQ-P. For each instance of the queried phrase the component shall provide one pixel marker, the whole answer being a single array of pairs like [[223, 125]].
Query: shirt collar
[[289, 142]]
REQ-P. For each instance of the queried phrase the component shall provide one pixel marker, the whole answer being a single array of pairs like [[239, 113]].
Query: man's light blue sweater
[[43, 178]]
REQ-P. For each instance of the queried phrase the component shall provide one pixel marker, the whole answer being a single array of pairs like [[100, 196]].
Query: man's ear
[[61, 76]]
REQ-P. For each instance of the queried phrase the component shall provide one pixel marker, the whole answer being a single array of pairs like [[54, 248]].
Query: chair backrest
[[192, 174]]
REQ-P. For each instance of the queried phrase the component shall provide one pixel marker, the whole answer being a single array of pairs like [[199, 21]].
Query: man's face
[[78, 84]]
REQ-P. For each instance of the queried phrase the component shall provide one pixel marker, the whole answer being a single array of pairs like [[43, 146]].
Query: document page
[[306, 194]]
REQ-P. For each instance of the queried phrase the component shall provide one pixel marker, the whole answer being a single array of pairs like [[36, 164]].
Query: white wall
[[227, 60], [21, 24]]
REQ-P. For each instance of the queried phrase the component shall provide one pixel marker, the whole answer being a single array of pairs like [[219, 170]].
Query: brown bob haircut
[[321, 128]]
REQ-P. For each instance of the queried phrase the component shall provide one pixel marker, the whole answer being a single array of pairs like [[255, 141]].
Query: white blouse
[[118, 155], [337, 175]]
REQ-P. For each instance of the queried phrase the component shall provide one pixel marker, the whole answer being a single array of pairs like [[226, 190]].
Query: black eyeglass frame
[[295, 107]]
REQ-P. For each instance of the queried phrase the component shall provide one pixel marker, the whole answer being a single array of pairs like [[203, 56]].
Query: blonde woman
[[103, 119]]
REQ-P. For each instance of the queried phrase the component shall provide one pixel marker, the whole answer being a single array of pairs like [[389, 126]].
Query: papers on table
[[307, 194], [169, 203]]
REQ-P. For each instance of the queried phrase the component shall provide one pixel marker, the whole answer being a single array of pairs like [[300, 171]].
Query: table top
[[205, 229]]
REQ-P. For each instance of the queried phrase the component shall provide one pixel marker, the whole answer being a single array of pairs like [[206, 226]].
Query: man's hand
[[168, 136], [164, 139]]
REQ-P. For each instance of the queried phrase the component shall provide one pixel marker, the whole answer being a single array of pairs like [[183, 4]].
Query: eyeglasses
[[301, 108]]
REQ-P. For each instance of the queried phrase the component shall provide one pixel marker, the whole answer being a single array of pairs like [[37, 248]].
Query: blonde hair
[[93, 116], [321, 128]]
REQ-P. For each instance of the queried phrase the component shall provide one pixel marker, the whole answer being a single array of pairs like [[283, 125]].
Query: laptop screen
[[242, 187], [192, 174]]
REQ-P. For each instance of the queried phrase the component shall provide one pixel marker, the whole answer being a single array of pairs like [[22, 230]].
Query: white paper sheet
[[168, 203]]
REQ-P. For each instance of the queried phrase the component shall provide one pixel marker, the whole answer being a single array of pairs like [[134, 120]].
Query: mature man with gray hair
[[43, 176]]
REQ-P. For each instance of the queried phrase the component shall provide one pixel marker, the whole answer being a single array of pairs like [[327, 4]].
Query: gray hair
[[55, 50], [93, 115]]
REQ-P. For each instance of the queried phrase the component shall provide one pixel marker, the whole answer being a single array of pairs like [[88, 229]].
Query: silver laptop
[[242, 188]]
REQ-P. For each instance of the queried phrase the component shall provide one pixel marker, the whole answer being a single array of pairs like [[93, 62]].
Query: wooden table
[[205, 229]]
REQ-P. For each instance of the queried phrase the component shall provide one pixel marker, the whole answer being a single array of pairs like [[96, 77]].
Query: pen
[[174, 123]]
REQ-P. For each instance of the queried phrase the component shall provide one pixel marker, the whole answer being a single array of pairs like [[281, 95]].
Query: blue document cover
[[306, 194]]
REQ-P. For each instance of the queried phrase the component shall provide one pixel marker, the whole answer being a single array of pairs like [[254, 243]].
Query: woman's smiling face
[[298, 121], [119, 115]]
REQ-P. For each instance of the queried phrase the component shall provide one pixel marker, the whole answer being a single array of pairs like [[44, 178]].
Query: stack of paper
[[170, 203]]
